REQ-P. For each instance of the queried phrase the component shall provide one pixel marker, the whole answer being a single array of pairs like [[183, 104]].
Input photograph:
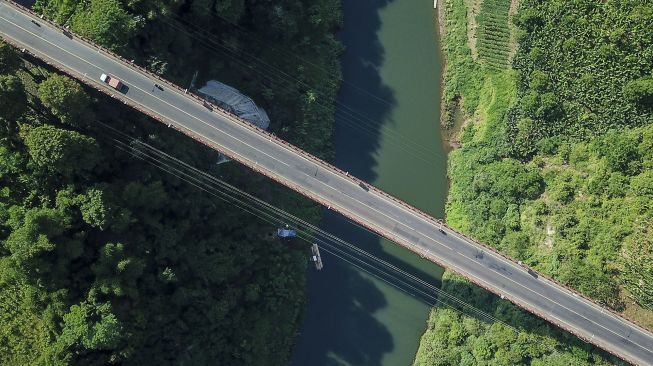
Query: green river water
[[387, 133]]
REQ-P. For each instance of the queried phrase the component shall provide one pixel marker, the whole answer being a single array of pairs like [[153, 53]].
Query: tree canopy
[[66, 99], [106, 259], [555, 164]]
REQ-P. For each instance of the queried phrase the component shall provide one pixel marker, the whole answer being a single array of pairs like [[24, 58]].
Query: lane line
[[146, 93], [215, 128], [498, 259]]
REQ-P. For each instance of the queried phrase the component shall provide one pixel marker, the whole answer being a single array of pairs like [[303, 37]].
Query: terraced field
[[493, 33]]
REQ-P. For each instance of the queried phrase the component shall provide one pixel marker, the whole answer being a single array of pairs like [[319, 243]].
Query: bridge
[[326, 184]]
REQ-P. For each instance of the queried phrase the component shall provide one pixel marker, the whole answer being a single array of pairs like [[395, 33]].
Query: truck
[[112, 81]]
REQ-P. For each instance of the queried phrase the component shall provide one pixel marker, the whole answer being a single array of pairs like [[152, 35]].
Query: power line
[[310, 239], [286, 51], [286, 217], [277, 216]]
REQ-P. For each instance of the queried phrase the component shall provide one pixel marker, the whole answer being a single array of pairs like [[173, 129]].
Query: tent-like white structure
[[237, 103]]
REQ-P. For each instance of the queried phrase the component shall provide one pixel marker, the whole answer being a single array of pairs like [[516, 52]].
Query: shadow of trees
[[364, 99], [340, 327]]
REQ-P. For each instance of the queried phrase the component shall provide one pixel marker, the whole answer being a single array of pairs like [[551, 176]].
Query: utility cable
[[288, 217], [277, 221]]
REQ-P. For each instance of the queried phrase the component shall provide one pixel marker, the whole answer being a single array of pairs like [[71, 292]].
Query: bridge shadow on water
[[340, 327]]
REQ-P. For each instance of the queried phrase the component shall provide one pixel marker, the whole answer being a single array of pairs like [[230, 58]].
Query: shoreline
[[439, 17], [449, 134]]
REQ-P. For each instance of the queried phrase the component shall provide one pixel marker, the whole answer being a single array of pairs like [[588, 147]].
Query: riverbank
[[539, 209]]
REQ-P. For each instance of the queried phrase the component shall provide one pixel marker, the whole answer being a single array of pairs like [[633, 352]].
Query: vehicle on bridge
[[112, 82]]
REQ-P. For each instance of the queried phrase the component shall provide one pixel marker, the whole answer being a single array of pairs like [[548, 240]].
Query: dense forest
[[555, 166], [105, 259]]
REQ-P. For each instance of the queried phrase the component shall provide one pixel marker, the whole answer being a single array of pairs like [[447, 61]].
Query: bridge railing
[[272, 137]]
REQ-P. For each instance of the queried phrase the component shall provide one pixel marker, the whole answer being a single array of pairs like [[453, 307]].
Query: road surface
[[335, 189]]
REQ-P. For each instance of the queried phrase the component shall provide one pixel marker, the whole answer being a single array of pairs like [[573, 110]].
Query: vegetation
[[555, 166], [517, 338], [493, 33], [284, 56], [583, 71], [105, 259]]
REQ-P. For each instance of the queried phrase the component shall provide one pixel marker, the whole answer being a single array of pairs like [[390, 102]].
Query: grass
[[477, 85], [633, 311], [497, 93]]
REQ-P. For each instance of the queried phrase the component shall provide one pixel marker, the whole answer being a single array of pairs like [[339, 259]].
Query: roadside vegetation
[[554, 167], [514, 337], [105, 259]]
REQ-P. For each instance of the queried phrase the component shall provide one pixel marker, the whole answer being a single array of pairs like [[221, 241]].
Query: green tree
[[591, 280], [61, 150], [620, 151], [31, 242], [13, 100], [645, 147], [95, 209], [66, 99], [640, 91], [9, 59], [637, 264], [642, 185], [116, 272], [230, 9], [90, 326], [104, 21]]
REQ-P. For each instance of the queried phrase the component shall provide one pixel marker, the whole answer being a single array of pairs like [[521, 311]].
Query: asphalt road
[[332, 188]]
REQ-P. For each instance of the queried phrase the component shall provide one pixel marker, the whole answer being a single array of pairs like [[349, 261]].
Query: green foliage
[[13, 100], [89, 326], [105, 259], [637, 264], [640, 91], [454, 337], [560, 177], [104, 21], [116, 272], [493, 33], [462, 76], [30, 243], [107, 22], [95, 209], [61, 150], [9, 59], [66, 99], [597, 59]]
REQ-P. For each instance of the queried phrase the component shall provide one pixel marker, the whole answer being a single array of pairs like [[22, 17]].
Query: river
[[387, 133]]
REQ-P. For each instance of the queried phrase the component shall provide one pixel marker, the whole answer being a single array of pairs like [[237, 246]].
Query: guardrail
[[325, 165]]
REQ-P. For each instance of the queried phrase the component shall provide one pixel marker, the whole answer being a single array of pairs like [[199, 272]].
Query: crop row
[[493, 33]]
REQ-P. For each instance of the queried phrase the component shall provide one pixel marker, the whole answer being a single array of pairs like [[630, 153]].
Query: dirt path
[[473, 8], [512, 45]]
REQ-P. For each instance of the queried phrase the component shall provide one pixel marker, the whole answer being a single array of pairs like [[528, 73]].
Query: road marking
[[403, 209], [221, 131], [560, 305], [147, 93]]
